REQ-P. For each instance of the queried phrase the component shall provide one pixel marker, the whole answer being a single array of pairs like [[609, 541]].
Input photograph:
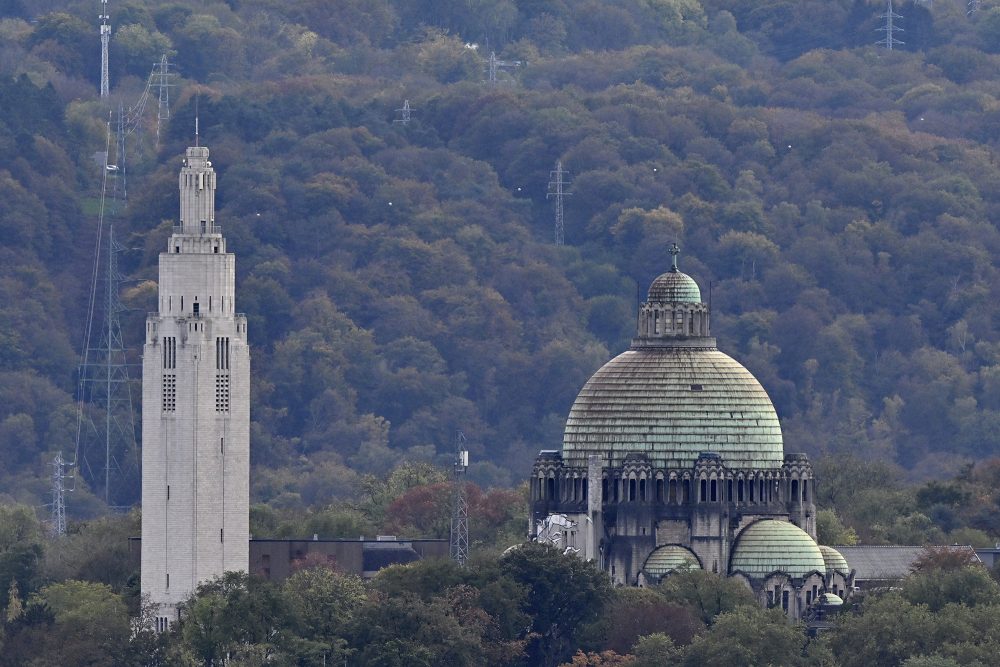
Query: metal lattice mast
[[163, 83], [460, 508], [58, 507], [889, 28], [972, 7], [105, 39], [404, 113], [557, 190], [494, 65], [106, 450]]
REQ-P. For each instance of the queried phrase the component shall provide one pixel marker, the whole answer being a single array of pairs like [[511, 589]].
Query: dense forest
[[835, 199]]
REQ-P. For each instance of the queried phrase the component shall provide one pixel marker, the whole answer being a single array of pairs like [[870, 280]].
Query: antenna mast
[[556, 189], [889, 41], [58, 516], [460, 508], [105, 39], [163, 112]]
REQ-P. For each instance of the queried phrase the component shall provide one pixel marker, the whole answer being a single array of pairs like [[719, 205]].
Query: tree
[[321, 605], [749, 636], [707, 594], [563, 593]]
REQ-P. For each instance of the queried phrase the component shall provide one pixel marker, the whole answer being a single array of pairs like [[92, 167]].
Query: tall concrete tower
[[195, 408]]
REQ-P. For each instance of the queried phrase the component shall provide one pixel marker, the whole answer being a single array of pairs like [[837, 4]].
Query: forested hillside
[[837, 201]]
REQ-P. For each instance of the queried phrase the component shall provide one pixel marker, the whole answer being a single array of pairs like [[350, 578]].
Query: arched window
[[551, 488], [751, 485], [672, 491], [642, 489], [687, 491], [703, 495], [631, 489], [715, 490], [659, 489], [739, 490], [805, 490], [795, 490], [729, 491]]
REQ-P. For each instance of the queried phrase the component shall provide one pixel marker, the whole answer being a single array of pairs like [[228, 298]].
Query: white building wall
[[196, 409]]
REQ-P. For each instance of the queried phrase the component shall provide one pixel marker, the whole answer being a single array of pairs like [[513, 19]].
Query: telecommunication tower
[[58, 507], [889, 28], [164, 85], [460, 507], [404, 113], [557, 190], [105, 39]]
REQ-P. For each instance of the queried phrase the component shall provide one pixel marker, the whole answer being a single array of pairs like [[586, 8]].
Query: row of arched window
[[674, 491]]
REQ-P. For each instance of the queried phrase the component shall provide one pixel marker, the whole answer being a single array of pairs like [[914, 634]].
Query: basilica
[[672, 458]]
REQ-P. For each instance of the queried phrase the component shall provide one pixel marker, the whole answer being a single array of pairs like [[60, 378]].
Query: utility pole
[[460, 508], [404, 113], [556, 190], [888, 27], [105, 39]]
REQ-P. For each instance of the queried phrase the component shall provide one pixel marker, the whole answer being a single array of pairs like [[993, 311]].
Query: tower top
[[197, 193]]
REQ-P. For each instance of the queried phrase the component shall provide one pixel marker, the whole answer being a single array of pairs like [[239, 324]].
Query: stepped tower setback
[[195, 407]]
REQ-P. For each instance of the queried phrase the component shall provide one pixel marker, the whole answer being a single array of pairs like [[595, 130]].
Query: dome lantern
[[673, 311]]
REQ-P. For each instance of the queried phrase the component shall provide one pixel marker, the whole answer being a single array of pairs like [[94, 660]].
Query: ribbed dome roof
[[772, 546], [835, 561], [674, 287], [831, 600], [672, 404], [667, 559]]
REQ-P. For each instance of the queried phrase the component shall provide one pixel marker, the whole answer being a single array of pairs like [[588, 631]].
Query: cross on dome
[[674, 250]]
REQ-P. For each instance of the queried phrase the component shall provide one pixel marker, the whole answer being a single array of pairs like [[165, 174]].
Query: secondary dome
[[674, 287], [835, 561], [667, 559], [770, 546], [672, 404]]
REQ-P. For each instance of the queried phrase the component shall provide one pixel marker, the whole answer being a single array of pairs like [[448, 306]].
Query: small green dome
[[835, 561], [674, 287], [830, 600], [770, 546], [667, 559]]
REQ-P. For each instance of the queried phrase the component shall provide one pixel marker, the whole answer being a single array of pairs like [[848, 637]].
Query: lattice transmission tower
[[163, 76], [460, 508], [557, 190], [972, 7], [105, 19], [889, 27], [404, 113], [57, 521]]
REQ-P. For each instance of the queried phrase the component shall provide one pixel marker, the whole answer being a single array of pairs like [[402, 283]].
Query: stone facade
[[195, 407]]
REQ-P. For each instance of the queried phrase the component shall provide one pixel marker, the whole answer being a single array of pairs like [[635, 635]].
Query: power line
[[889, 28], [557, 190], [163, 83], [460, 508]]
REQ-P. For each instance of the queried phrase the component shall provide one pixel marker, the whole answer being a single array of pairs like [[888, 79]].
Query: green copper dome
[[672, 404], [835, 561], [772, 546], [667, 559], [674, 287]]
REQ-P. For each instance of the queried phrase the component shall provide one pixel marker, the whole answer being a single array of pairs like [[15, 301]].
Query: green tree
[[707, 594], [563, 593]]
